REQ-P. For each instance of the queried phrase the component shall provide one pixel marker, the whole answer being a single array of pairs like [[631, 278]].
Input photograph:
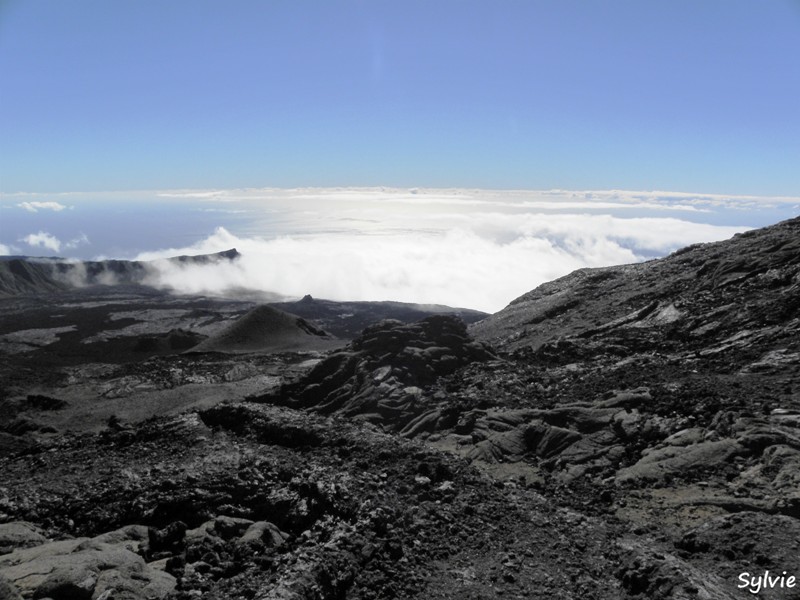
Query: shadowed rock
[[378, 377]]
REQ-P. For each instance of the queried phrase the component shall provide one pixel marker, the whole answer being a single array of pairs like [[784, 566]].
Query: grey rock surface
[[621, 433]]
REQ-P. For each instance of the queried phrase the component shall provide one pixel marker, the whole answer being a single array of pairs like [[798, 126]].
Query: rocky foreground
[[627, 432]]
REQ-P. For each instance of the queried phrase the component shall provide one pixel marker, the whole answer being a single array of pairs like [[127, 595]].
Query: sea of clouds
[[468, 248]]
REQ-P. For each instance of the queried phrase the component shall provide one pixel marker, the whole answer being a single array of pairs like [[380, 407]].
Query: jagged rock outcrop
[[378, 377]]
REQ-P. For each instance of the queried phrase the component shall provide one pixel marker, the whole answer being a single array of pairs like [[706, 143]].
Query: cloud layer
[[482, 267], [461, 247]]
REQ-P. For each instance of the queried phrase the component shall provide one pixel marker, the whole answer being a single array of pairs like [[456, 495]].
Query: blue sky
[[685, 95]]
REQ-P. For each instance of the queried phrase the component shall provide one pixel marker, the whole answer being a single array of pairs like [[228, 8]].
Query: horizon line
[[210, 191]]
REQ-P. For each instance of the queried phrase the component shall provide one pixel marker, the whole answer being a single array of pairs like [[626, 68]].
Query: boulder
[[68, 583], [262, 533], [228, 527], [86, 568], [19, 534]]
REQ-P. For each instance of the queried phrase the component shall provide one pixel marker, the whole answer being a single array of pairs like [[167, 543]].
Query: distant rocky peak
[[202, 259]]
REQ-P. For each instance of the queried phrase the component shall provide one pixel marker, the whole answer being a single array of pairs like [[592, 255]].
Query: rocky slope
[[697, 297], [629, 432]]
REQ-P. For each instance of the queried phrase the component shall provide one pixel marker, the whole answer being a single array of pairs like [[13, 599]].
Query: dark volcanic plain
[[625, 432]]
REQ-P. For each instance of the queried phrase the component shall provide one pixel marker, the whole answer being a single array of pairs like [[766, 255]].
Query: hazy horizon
[[460, 247]]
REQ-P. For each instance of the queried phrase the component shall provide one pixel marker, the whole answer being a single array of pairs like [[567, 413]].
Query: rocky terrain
[[625, 432]]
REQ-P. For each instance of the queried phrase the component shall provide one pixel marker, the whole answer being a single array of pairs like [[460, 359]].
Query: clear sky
[[683, 95]]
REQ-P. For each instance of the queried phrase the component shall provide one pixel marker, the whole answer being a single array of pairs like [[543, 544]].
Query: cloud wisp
[[36, 206], [45, 240], [80, 240]]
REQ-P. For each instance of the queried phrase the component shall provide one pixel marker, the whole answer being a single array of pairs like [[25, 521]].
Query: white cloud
[[43, 240], [644, 235], [7, 250], [462, 247], [37, 206], [484, 263]]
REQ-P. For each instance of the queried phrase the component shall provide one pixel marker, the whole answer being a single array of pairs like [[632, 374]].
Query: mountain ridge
[[32, 275]]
